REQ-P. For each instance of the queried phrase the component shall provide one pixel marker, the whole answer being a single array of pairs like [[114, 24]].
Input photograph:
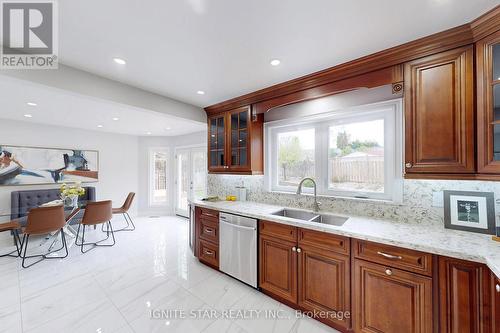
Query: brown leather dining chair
[[97, 212], [123, 210], [42, 221], [13, 227]]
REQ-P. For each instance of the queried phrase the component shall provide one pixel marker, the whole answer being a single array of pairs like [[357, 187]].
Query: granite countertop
[[432, 239]]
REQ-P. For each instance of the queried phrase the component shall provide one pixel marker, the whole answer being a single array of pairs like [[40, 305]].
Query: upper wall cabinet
[[235, 143], [488, 103], [439, 113]]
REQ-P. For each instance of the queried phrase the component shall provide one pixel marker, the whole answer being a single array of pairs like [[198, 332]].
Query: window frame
[[390, 111], [151, 160]]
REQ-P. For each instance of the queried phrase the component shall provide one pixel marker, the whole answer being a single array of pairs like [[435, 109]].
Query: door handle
[[238, 226], [389, 256]]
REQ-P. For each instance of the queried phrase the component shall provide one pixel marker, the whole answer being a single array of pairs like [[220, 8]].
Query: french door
[[190, 177]]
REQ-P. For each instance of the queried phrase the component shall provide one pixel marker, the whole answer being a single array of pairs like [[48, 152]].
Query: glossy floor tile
[[148, 282]]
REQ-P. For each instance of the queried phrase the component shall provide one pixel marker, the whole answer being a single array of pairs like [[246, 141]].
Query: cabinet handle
[[209, 230], [294, 249], [208, 252], [388, 271], [299, 250], [389, 256], [497, 288], [408, 165]]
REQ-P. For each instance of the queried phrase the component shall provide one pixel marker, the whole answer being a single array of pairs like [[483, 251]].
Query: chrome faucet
[[299, 190]]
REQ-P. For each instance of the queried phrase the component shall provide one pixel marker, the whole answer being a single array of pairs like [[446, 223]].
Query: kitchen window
[[349, 153]]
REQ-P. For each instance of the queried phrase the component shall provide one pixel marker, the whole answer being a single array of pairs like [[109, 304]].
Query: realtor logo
[[29, 34]]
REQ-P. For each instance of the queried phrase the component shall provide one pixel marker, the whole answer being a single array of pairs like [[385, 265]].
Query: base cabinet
[[464, 289], [390, 300], [495, 292], [207, 236], [278, 267], [313, 278], [324, 284]]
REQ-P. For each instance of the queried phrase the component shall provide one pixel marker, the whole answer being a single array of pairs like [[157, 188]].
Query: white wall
[[170, 143], [118, 167]]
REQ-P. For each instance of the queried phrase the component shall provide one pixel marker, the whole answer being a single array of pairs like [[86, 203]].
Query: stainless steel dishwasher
[[238, 247]]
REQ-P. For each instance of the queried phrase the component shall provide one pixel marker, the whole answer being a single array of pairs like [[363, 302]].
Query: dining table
[[68, 228]]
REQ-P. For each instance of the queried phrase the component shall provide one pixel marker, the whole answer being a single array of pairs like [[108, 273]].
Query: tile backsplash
[[416, 207]]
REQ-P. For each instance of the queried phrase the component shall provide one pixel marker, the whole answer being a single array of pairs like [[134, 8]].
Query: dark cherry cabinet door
[[488, 103], [464, 296], [278, 267], [324, 283], [495, 292], [217, 151], [239, 142], [439, 113], [390, 300]]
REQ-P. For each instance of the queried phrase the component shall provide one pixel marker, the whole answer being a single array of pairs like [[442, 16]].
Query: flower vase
[[74, 201]]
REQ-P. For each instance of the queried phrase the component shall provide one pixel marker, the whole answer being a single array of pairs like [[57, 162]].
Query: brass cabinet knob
[[388, 271], [299, 250], [408, 165], [294, 249], [497, 288]]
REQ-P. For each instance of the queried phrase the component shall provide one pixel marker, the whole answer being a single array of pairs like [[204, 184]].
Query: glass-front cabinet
[[217, 142], [238, 128], [233, 137], [488, 103]]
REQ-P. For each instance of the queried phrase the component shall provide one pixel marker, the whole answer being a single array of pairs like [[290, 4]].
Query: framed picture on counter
[[469, 211]]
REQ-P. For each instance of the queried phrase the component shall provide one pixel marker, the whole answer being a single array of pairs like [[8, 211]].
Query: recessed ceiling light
[[200, 92], [116, 118], [168, 128], [119, 61], [148, 133], [99, 126], [31, 104], [275, 62], [28, 116]]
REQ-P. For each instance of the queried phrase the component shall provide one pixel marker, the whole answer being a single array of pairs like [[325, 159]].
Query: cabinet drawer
[[410, 260], [324, 241], [281, 231], [209, 230], [208, 213], [209, 253]]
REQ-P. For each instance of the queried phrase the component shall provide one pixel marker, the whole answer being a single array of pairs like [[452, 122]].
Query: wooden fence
[[366, 169]]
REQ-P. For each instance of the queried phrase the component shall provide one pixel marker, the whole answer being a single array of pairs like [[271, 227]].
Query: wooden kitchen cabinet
[[495, 292], [278, 267], [324, 283], [217, 158], [464, 289], [391, 300], [207, 236], [308, 269], [235, 142], [439, 113], [488, 104]]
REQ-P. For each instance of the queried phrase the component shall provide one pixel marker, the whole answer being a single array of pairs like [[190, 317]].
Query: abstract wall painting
[[32, 165]]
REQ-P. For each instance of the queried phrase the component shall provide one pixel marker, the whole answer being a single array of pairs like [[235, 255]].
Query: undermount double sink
[[321, 218]]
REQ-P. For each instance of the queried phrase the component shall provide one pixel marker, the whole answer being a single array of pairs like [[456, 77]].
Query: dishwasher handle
[[238, 226]]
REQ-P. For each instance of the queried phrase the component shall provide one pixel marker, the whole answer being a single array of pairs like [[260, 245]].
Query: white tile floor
[[115, 290]]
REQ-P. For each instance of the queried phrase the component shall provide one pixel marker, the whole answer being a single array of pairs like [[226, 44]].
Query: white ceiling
[[62, 108], [223, 47]]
